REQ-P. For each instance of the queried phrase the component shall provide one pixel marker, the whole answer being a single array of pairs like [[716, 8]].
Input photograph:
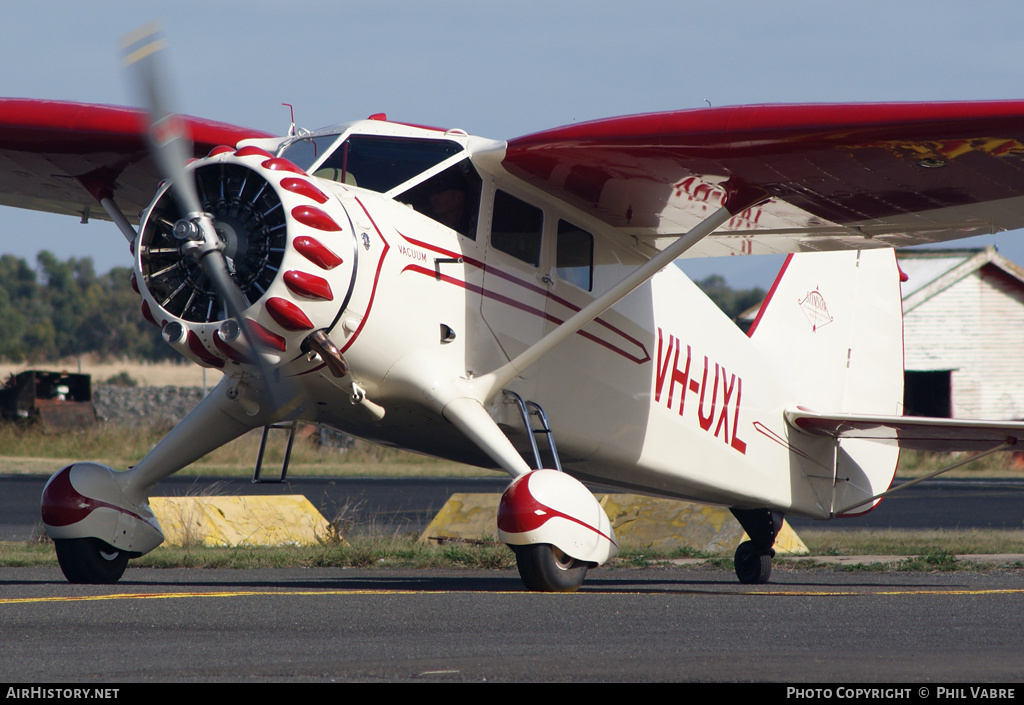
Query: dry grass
[[892, 542], [159, 374], [29, 451], [188, 515], [363, 550], [1004, 464]]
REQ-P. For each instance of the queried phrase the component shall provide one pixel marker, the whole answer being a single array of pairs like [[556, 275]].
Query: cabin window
[[574, 261], [516, 228], [451, 197], [382, 163]]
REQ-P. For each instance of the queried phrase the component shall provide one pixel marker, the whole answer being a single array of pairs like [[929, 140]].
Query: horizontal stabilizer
[[913, 432]]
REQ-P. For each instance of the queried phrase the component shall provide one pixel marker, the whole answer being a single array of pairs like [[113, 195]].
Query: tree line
[[733, 302], [61, 309], [64, 309]]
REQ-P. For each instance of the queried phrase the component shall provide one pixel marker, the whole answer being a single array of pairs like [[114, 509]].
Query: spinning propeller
[[194, 232], [171, 148]]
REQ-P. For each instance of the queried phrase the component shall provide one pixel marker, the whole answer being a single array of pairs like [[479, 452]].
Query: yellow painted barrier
[[466, 515], [665, 524], [239, 521]]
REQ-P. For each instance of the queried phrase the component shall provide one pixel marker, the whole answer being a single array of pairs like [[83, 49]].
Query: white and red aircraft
[[459, 296]]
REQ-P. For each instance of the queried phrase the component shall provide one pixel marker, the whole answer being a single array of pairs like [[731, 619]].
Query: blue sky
[[502, 69]]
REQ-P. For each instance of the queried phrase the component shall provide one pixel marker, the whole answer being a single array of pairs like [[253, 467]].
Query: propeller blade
[[169, 141], [171, 148]]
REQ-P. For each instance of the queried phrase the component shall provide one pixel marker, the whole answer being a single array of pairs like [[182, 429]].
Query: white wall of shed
[[976, 329]]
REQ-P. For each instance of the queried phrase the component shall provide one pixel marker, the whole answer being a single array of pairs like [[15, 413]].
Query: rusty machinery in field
[[58, 401]]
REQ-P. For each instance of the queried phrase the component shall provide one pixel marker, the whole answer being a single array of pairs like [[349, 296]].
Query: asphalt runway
[[658, 624], [675, 624]]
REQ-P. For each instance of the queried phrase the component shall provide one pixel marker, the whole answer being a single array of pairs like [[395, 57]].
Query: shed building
[[963, 330]]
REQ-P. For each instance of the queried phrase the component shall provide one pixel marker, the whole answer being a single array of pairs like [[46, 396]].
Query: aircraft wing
[[59, 156], [837, 176], [914, 432]]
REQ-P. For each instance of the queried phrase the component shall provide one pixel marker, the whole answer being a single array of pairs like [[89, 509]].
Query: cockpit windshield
[[382, 163], [374, 162]]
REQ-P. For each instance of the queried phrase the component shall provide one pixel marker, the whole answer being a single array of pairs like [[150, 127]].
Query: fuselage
[[446, 267]]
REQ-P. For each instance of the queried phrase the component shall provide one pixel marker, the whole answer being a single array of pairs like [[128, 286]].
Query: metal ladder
[[290, 427], [528, 410]]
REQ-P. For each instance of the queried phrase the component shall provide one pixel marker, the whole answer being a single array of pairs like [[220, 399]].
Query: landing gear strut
[[753, 559]]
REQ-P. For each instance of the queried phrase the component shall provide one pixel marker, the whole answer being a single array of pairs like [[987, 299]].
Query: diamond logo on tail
[[815, 309]]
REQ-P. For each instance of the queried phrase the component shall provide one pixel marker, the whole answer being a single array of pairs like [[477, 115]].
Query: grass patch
[[911, 543], [360, 548], [26, 554], [646, 556], [936, 559], [916, 463], [361, 551]]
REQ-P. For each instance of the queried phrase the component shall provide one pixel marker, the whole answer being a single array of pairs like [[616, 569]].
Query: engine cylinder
[[289, 248]]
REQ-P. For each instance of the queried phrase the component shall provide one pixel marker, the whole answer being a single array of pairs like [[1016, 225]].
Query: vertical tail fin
[[832, 327]]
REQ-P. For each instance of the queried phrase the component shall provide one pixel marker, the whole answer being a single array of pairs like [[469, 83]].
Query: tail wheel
[[545, 568], [89, 560], [753, 564]]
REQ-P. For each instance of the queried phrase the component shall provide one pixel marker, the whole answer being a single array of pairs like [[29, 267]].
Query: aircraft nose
[[289, 248]]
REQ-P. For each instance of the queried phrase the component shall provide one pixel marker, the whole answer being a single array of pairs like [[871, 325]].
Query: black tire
[[545, 568], [753, 564], [90, 561]]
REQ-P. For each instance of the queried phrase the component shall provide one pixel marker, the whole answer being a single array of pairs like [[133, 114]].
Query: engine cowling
[[289, 248]]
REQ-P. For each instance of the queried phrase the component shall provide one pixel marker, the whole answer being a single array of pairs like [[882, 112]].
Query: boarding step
[[289, 428], [528, 411]]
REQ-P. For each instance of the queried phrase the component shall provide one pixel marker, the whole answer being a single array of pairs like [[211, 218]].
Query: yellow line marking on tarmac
[[178, 595], [322, 593], [851, 593]]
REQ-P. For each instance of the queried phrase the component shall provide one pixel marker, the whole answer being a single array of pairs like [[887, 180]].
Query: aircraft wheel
[[545, 568], [753, 564], [90, 560]]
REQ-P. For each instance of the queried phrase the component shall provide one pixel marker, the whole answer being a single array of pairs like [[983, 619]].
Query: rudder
[[832, 327]]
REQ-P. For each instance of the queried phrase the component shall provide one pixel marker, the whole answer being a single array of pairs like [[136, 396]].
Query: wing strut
[[466, 410], [494, 382], [118, 217]]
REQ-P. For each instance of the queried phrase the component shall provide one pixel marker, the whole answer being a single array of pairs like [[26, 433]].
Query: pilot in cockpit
[[448, 198], [451, 198]]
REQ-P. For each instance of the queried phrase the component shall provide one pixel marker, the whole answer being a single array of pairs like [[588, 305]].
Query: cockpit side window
[[451, 197], [381, 163], [304, 152]]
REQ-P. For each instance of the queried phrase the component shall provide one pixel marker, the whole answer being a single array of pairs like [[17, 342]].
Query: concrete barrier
[[239, 521]]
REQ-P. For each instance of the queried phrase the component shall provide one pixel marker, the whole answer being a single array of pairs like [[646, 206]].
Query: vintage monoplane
[[464, 298]]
